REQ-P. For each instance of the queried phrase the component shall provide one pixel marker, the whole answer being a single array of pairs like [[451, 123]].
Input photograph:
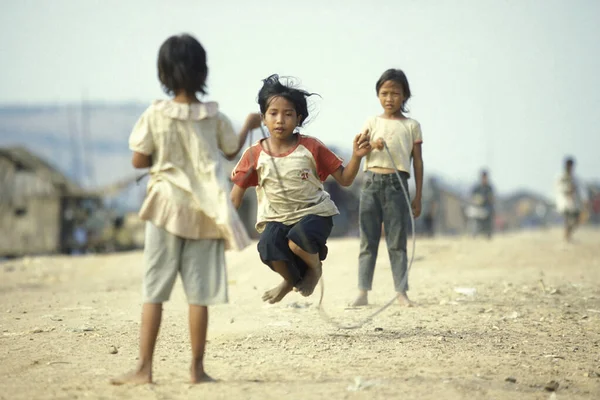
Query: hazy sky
[[509, 84]]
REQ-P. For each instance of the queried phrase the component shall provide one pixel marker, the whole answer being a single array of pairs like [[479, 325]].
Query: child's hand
[[361, 146], [378, 144], [253, 121], [416, 207]]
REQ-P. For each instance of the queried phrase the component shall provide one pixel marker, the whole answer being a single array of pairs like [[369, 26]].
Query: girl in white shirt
[[382, 199]]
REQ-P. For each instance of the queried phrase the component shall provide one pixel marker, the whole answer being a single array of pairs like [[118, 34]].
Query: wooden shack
[[38, 205]]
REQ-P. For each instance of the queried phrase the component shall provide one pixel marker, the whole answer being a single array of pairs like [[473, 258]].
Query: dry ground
[[535, 318]]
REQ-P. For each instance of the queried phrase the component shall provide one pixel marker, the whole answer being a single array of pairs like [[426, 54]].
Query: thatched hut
[[39, 206]]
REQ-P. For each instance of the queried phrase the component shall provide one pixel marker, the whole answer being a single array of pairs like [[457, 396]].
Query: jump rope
[[324, 315]]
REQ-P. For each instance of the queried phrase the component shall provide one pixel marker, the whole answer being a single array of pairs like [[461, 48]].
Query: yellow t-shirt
[[400, 136], [188, 190]]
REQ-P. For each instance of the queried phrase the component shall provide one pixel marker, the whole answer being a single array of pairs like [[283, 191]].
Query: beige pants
[[201, 264]]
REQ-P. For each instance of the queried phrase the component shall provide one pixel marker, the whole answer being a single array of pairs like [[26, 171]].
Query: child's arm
[[418, 168], [237, 195], [244, 175], [360, 148], [141, 161], [253, 121], [366, 130]]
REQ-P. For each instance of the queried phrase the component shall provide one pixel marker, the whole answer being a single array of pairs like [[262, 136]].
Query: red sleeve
[[244, 174], [327, 161]]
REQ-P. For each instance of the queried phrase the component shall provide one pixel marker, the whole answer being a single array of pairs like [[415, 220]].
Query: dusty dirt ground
[[535, 318]]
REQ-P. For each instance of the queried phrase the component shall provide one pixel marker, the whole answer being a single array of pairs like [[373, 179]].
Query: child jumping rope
[[382, 199], [288, 169], [190, 220]]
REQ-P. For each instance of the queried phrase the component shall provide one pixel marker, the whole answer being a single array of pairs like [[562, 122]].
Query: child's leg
[[571, 220], [204, 278], [198, 316], [161, 257], [396, 223], [480, 227], [311, 259], [313, 272], [576, 221], [151, 317], [280, 291], [370, 220], [490, 227], [308, 241], [274, 252], [472, 227]]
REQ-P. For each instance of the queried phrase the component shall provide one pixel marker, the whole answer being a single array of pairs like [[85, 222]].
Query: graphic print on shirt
[[304, 173]]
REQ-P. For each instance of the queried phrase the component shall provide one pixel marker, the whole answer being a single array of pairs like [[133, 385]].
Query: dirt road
[[534, 318]]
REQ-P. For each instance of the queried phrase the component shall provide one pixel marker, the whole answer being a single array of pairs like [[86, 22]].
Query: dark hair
[[182, 65], [569, 161], [398, 76], [272, 87], [484, 173]]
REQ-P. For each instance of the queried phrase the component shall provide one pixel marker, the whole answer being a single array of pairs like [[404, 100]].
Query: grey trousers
[[201, 264], [382, 201]]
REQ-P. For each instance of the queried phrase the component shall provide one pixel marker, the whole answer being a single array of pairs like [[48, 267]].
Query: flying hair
[[273, 87]]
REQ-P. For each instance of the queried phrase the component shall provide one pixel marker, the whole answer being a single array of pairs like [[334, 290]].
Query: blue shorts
[[310, 234]]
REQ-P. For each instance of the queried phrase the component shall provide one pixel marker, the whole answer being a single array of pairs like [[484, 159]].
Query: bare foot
[[199, 376], [361, 300], [405, 301], [277, 293], [307, 286], [203, 378], [137, 377]]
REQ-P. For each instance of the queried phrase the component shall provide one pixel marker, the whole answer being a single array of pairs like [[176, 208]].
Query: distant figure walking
[[570, 199], [481, 210]]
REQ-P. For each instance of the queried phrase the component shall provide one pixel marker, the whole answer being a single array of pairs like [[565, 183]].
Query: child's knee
[[294, 247]]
